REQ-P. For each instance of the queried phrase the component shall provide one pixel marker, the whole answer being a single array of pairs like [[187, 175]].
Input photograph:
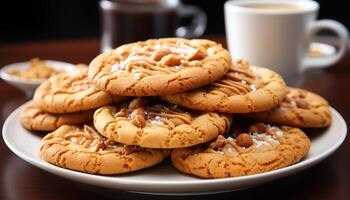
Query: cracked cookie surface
[[147, 122], [83, 149], [259, 149], [300, 108], [32, 117], [243, 89], [66, 93], [159, 67]]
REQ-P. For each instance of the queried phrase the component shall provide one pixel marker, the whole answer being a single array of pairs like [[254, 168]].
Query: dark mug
[[125, 21]]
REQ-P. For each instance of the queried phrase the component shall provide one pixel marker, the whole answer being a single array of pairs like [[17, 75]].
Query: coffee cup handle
[[199, 21], [326, 61]]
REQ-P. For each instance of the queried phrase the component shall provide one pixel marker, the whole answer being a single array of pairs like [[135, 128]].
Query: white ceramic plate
[[163, 178], [29, 86]]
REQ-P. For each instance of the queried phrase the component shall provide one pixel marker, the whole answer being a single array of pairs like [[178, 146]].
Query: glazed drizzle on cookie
[[143, 114], [73, 84], [164, 58], [240, 79], [91, 140]]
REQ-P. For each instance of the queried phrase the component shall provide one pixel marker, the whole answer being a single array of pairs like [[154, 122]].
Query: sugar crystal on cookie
[[157, 120], [253, 87]]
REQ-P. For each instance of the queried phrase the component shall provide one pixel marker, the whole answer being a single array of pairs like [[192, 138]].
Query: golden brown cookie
[[159, 67], [300, 108], [260, 148], [83, 149], [32, 117], [146, 123], [65, 93], [244, 89]]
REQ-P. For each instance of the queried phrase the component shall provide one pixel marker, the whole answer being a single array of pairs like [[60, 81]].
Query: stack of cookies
[[173, 97], [63, 99]]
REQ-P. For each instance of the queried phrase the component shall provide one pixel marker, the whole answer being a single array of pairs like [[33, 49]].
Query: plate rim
[[70, 174]]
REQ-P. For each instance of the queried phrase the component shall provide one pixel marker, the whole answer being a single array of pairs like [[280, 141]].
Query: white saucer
[[163, 178], [29, 86], [321, 49]]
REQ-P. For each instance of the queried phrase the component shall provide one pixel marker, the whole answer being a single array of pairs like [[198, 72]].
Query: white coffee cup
[[277, 34]]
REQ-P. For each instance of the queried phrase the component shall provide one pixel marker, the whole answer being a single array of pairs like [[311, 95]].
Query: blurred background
[[67, 19]]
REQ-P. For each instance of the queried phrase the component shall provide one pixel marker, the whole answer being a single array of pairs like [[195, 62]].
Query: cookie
[[32, 117], [83, 149], [300, 108], [65, 93], [244, 89], [147, 123], [159, 67], [260, 148]]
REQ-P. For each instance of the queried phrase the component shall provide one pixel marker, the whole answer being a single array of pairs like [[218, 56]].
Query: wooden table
[[20, 180]]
